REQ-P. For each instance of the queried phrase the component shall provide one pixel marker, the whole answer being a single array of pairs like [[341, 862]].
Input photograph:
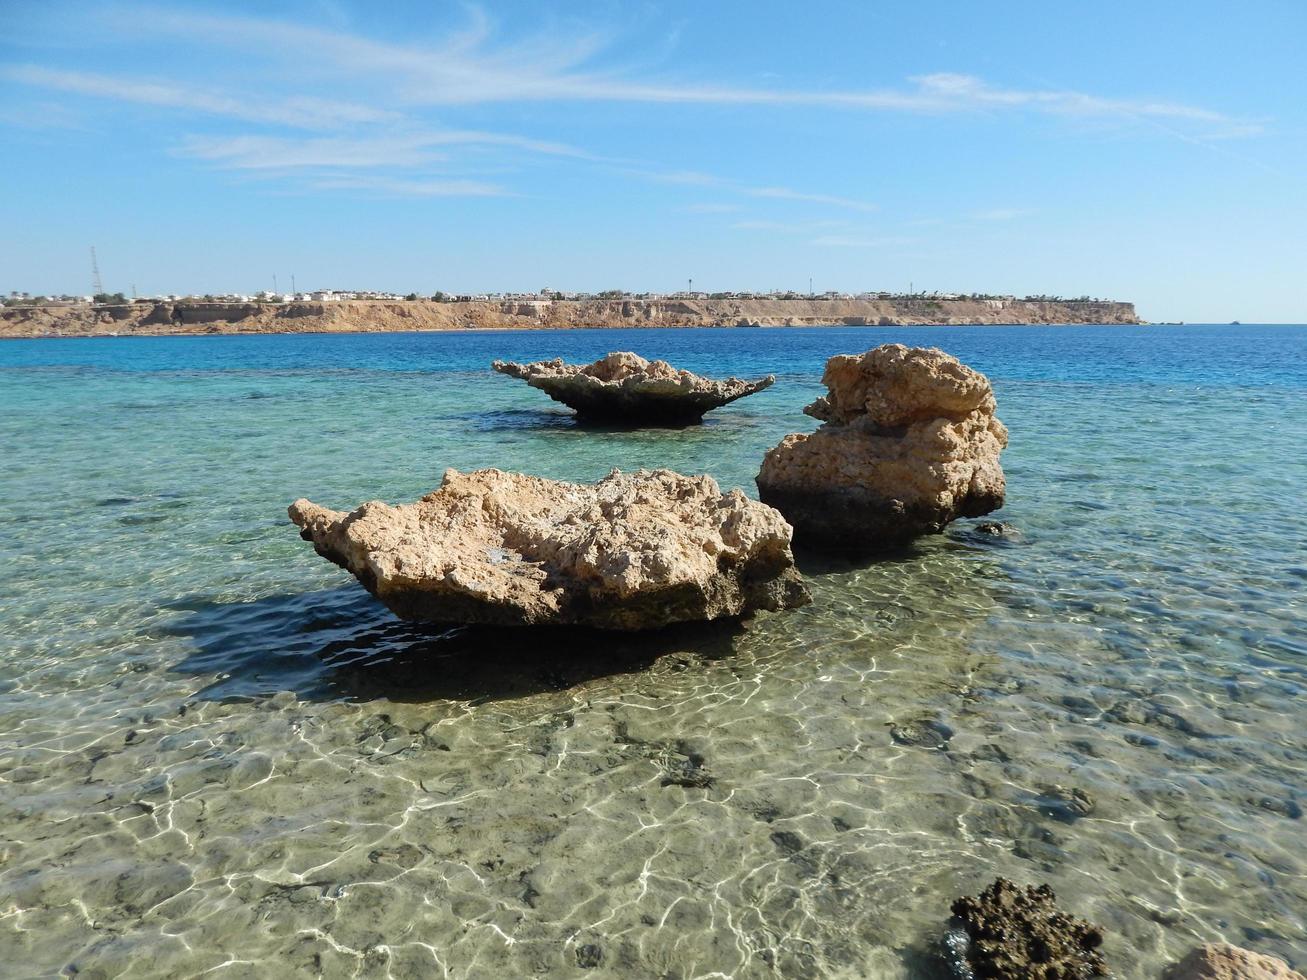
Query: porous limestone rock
[[1020, 934], [633, 551], [1221, 961], [624, 387], [909, 442]]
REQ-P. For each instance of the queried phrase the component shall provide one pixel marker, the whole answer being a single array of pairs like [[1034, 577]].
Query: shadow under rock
[[973, 537], [544, 420], [822, 561], [341, 643]]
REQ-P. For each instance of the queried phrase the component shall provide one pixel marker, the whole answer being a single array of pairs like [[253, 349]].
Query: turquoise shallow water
[[218, 754]]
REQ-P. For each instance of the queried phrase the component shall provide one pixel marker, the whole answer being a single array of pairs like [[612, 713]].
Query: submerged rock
[[1000, 531], [624, 387], [924, 733], [909, 443], [683, 767], [1221, 961], [1066, 805], [1021, 934], [633, 551], [589, 956]]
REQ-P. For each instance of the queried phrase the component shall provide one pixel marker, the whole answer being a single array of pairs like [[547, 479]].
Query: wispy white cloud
[[470, 67], [786, 193], [384, 124], [945, 91], [408, 187], [43, 114], [285, 156], [998, 214], [712, 208], [387, 140], [279, 153], [393, 166], [936, 93], [400, 150], [463, 69], [791, 227], [297, 111], [698, 179], [854, 241]]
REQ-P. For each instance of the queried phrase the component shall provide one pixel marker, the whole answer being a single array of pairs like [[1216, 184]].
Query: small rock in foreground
[[624, 387], [909, 443], [1021, 934], [1221, 961], [633, 551]]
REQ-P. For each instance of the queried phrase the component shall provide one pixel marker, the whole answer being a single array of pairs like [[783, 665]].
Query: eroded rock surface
[[633, 551], [1221, 961], [909, 442], [1020, 934], [624, 387]]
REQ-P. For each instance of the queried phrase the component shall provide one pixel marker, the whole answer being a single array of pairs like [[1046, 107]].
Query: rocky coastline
[[161, 318]]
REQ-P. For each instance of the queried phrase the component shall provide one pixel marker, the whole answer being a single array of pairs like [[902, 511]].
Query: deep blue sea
[[217, 753]]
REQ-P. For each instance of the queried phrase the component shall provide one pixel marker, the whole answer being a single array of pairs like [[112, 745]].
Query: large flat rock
[[624, 387], [633, 551]]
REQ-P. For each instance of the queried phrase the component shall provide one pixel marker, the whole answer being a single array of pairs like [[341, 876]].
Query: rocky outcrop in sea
[[634, 551], [909, 443], [624, 387]]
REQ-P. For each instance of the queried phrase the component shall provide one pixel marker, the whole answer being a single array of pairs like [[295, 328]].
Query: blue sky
[[1144, 150]]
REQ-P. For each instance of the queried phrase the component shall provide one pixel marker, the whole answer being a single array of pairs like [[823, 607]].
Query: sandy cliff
[[367, 316]]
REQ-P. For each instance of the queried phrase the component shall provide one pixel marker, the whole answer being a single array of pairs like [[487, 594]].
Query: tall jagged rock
[[909, 442], [633, 551], [624, 387]]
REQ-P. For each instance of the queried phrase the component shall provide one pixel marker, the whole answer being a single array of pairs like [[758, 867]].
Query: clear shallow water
[[218, 754]]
